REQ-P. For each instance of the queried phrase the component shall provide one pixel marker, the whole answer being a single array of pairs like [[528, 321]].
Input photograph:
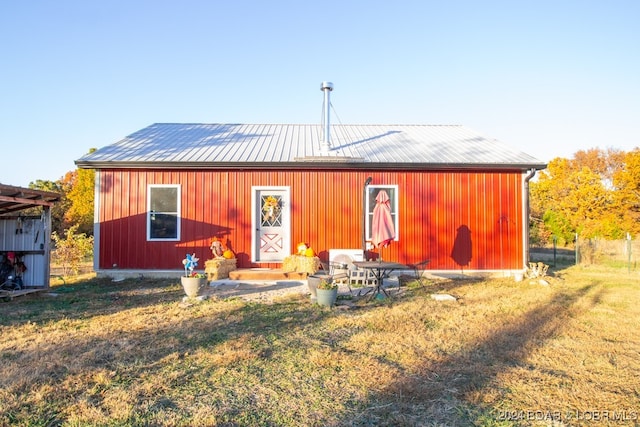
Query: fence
[[621, 253], [597, 251]]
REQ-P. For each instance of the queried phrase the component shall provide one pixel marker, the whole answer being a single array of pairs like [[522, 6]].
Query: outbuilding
[[456, 197], [25, 239]]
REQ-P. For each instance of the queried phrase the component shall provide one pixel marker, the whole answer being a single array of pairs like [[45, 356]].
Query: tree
[[59, 208], [80, 196], [80, 193], [75, 207], [544, 192], [71, 250], [581, 195], [627, 182], [604, 163], [588, 203]]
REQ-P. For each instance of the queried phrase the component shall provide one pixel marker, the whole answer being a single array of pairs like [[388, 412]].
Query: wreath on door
[[271, 208]]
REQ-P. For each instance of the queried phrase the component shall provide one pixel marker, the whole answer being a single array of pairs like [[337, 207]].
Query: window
[[163, 212], [372, 193]]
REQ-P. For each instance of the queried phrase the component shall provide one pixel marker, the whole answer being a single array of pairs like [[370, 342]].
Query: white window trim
[[178, 213], [394, 210]]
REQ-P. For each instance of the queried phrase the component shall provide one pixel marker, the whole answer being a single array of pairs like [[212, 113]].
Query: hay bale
[[290, 263], [219, 268], [301, 264]]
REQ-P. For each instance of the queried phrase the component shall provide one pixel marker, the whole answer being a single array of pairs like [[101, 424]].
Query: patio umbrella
[[382, 228]]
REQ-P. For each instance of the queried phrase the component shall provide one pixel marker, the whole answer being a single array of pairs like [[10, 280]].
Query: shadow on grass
[[129, 352], [89, 298], [443, 392], [430, 395]]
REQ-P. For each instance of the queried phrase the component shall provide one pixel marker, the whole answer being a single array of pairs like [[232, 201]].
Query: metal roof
[[15, 199], [198, 145]]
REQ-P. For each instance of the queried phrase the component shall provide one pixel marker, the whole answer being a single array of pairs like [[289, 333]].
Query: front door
[[271, 240]]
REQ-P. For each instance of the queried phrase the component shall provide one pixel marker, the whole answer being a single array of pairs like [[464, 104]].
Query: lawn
[[102, 353]]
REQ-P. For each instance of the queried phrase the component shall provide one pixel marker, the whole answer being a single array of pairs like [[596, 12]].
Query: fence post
[[629, 253], [577, 250]]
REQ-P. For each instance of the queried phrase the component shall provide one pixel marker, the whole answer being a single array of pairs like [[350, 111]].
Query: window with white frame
[[372, 193], [163, 212]]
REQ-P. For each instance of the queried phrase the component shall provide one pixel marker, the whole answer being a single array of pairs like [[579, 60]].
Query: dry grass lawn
[[505, 354]]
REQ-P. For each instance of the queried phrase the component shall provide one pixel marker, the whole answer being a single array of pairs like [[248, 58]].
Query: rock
[[443, 297]]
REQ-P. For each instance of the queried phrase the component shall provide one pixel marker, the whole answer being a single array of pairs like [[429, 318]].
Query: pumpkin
[[302, 247], [309, 253], [228, 254]]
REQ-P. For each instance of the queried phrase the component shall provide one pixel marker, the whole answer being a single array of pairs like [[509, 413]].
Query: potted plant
[[327, 292], [313, 281], [192, 281]]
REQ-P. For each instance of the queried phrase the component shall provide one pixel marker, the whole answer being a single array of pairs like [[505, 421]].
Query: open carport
[[25, 240]]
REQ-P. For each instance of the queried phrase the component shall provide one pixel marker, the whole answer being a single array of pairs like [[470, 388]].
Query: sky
[[549, 78]]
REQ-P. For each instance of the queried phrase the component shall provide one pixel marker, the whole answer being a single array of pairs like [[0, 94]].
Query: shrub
[[71, 250]]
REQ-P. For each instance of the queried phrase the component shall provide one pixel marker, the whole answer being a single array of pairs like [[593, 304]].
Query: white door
[[271, 213]]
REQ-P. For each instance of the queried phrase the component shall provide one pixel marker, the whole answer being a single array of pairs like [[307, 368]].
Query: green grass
[[101, 353]]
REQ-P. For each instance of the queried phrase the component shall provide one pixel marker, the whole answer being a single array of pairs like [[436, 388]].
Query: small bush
[[71, 251]]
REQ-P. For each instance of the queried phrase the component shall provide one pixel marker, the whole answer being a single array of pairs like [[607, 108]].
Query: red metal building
[[457, 197]]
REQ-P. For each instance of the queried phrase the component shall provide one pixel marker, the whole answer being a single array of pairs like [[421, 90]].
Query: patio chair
[[338, 271], [418, 269]]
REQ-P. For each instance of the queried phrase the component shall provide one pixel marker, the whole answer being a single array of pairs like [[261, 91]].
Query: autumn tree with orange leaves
[[596, 194], [75, 208]]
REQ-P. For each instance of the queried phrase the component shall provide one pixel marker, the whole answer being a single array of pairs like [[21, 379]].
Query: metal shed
[[25, 238], [460, 198]]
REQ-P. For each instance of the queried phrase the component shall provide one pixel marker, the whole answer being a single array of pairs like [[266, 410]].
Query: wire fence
[[598, 251], [616, 253]]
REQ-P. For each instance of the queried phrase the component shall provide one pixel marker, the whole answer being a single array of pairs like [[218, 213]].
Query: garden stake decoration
[[190, 263]]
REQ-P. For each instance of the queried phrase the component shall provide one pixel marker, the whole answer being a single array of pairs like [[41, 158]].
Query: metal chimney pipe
[[326, 87]]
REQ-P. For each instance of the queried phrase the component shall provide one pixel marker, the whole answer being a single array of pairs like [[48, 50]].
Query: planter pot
[[326, 297], [313, 281], [192, 285]]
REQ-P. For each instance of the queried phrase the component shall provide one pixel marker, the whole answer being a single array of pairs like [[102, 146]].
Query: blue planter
[[313, 281], [326, 297]]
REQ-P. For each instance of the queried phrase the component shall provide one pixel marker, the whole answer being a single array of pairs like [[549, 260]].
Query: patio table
[[379, 269]]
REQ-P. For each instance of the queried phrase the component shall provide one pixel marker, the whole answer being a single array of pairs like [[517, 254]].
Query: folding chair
[[339, 272], [419, 269]]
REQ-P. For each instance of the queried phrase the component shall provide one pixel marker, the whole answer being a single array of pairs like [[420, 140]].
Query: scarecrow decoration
[[217, 249]]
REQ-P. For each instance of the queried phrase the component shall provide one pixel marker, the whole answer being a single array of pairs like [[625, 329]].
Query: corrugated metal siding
[[28, 239], [326, 207]]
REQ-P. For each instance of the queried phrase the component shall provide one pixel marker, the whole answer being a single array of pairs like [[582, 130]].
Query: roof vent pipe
[[326, 87]]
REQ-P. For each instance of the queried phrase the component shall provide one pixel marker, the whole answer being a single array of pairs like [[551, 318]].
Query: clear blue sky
[[547, 77]]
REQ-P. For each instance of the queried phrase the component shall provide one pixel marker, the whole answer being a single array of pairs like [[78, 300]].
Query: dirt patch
[[268, 291], [256, 290]]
